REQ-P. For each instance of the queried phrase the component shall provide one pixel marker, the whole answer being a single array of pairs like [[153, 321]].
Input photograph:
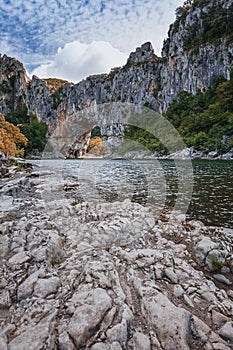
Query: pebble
[[223, 279]]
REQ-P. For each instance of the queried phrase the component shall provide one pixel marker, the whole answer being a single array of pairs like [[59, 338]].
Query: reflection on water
[[156, 183], [212, 199], [126, 180], [116, 180]]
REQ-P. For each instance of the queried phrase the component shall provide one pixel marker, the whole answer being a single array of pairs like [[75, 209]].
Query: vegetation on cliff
[[216, 25], [204, 120], [12, 141], [213, 23], [96, 146], [35, 131], [56, 83]]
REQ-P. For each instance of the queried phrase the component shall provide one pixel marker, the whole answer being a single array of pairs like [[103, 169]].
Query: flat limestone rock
[[227, 331], [140, 341], [35, 337], [19, 258], [223, 279], [203, 247], [169, 322], [89, 315], [46, 286], [26, 288]]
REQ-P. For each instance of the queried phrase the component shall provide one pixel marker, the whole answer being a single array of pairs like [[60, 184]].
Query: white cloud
[[76, 61], [34, 30]]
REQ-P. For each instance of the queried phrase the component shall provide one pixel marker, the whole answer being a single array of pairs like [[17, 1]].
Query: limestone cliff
[[13, 84], [198, 49]]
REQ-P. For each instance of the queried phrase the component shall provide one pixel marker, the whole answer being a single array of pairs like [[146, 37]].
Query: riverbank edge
[[110, 295]]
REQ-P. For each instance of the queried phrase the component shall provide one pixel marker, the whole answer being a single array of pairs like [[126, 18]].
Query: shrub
[[12, 140], [34, 130], [96, 146]]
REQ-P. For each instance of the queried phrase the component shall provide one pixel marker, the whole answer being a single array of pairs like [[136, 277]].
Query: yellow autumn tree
[[12, 140], [96, 146]]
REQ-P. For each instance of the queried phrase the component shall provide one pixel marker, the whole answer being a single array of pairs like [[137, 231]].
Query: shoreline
[[127, 158], [108, 275], [184, 154]]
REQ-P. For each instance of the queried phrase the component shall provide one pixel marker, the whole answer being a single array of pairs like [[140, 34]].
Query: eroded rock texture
[[109, 275]]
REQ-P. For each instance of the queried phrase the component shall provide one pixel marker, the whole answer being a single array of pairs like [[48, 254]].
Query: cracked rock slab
[[88, 317]]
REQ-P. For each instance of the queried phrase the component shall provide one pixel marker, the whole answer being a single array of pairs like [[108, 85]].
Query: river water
[[203, 190]]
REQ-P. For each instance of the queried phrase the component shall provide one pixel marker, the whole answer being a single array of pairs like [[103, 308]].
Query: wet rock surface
[[109, 275]]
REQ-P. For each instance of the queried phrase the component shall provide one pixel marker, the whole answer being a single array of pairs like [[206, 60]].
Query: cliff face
[[13, 84], [198, 49]]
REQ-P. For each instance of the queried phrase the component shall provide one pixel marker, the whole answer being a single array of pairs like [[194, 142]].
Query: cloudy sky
[[71, 39]]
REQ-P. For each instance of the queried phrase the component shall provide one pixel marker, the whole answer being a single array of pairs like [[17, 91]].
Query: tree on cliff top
[[12, 140]]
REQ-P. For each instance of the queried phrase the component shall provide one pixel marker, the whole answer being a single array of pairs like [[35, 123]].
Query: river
[[206, 196]]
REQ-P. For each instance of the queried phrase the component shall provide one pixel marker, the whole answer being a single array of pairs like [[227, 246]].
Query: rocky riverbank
[[108, 276], [190, 153], [186, 153]]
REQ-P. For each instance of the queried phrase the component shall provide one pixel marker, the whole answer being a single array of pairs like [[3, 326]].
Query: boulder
[[88, 316]]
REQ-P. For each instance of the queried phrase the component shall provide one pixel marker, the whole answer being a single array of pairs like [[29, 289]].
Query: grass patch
[[55, 262], [217, 265]]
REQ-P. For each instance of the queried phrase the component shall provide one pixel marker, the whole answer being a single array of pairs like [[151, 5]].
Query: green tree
[[34, 130], [205, 118]]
